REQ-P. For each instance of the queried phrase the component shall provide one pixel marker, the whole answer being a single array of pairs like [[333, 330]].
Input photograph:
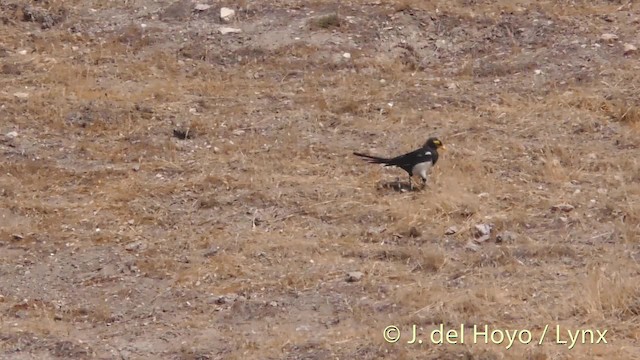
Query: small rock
[[227, 14], [238, 132], [441, 43], [212, 251], [346, 55], [228, 30], [451, 230], [21, 95], [482, 239], [472, 246], [202, 7], [376, 230], [57, 317], [16, 237], [273, 303], [608, 37], [136, 245], [563, 207], [505, 236], [354, 276], [482, 230], [226, 299], [537, 71], [629, 49]]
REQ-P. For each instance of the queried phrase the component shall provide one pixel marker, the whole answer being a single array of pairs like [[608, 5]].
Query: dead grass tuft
[[326, 22], [608, 291]]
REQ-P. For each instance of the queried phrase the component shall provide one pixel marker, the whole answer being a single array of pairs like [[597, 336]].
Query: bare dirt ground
[[171, 192]]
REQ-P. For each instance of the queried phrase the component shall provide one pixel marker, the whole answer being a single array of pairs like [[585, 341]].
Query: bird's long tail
[[372, 159]]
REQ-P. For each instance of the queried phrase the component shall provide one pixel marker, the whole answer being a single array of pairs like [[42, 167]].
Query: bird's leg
[[410, 184], [424, 182]]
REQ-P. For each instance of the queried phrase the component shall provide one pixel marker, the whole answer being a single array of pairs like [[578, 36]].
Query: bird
[[416, 163]]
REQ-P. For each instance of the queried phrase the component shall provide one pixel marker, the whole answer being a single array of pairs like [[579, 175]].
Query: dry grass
[[176, 193]]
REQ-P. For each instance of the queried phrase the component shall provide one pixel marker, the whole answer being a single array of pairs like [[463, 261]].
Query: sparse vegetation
[[170, 192]]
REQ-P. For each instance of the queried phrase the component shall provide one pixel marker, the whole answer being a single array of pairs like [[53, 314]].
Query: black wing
[[407, 161]]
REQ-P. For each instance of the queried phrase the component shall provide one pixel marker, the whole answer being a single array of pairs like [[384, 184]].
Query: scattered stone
[[505, 236], [212, 251], [229, 30], [629, 49], [608, 37], [273, 303], [238, 132], [537, 71], [202, 7], [376, 230], [42, 16], [227, 14], [12, 134], [563, 207], [16, 237], [441, 43], [57, 317], [135, 246], [226, 299], [451, 230], [482, 239], [346, 55], [21, 95], [354, 276], [482, 230], [472, 246]]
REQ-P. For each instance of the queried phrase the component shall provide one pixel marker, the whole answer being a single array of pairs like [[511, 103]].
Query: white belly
[[421, 169]]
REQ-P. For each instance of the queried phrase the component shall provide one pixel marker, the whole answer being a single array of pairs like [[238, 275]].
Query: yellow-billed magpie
[[417, 162]]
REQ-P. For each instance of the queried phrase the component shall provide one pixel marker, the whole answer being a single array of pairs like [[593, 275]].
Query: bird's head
[[435, 143]]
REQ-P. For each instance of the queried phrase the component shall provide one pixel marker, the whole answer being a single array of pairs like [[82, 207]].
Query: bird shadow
[[398, 186]]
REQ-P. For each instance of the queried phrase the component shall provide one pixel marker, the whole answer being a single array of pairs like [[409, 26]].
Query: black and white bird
[[415, 163]]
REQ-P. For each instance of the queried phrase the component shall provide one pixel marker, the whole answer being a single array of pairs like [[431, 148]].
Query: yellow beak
[[443, 147]]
